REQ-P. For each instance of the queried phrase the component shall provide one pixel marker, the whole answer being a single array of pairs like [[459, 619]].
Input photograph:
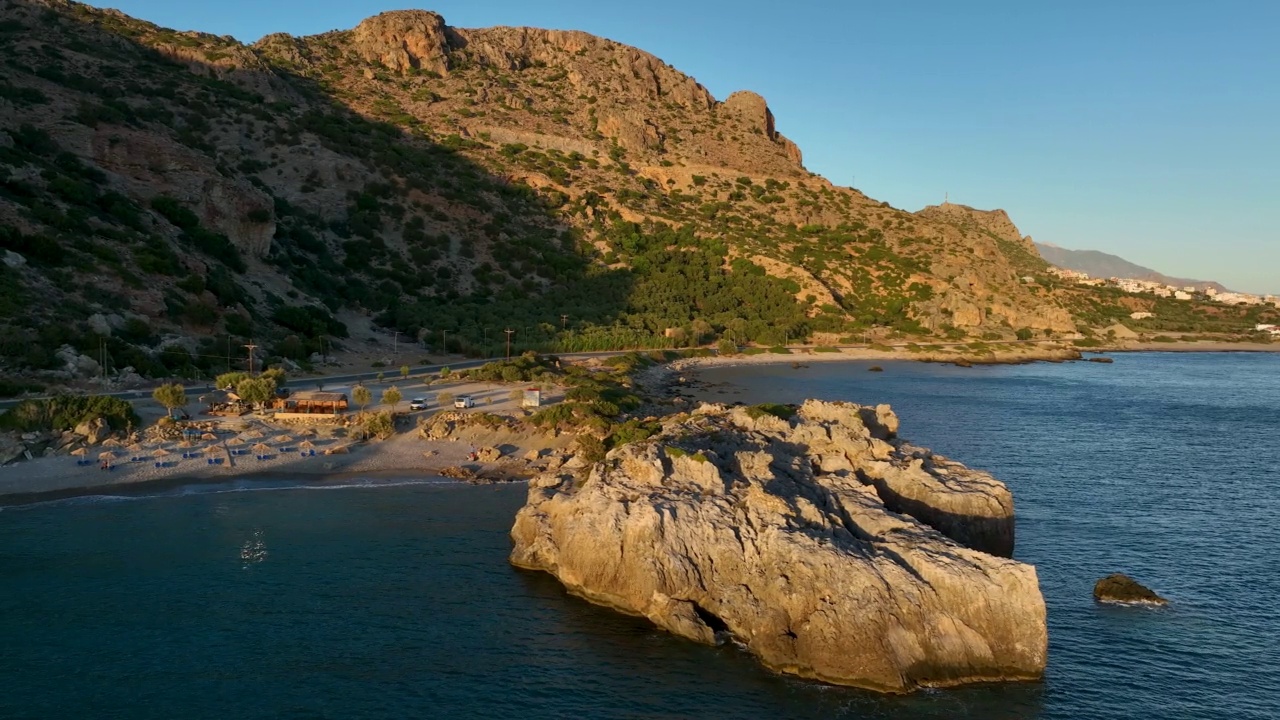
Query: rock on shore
[[823, 544]]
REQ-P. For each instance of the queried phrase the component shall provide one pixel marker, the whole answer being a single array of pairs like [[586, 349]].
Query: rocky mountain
[[166, 194], [813, 537], [1103, 265]]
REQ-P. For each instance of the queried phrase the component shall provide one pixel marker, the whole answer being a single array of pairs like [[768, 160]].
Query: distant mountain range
[[1103, 265]]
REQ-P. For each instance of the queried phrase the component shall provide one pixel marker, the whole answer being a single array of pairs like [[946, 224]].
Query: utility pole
[[509, 332], [395, 344], [564, 320], [251, 347]]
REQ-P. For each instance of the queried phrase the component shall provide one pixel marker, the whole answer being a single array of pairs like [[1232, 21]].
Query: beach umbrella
[[261, 448], [306, 445], [80, 452], [111, 442], [108, 455], [283, 439], [213, 449], [186, 444], [254, 434], [236, 441], [135, 448], [161, 453], [208, 436], [309, 432]]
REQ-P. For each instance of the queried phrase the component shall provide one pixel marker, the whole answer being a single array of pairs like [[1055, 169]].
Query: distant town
[[1189, 292]]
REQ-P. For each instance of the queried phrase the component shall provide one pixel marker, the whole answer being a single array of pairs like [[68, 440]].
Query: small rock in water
[[1120, 588], [875, 368], [1105, 360]]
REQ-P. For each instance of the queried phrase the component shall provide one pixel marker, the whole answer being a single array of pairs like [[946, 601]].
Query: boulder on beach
[[1122, 589], [811, 536]]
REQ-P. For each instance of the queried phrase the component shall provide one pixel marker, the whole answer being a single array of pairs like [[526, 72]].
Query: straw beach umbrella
[[135, 448], [80, 452], [107, 456], [161, 453], [254, 434], [236, 441], [262, 449], [306, 445], [283, 439], [111, 442], [208, 436], [186, 444], [212, 449]]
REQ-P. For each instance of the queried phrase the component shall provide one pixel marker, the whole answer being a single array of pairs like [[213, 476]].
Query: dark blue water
[[372, 602]]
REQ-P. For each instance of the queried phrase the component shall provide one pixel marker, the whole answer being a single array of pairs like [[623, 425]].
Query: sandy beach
[[405, 455]]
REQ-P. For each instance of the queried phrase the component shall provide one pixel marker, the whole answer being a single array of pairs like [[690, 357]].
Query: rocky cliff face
[[823, 544], [426, 175]]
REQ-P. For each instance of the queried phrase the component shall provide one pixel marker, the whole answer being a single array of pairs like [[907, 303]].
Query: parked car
[[463, 402], [418, 404]]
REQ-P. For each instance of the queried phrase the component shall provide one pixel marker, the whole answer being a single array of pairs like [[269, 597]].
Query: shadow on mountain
[[430, 243]]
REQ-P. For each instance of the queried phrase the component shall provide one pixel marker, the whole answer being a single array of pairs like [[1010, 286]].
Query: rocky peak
[[995, 222], [751, 109], [404, 40]]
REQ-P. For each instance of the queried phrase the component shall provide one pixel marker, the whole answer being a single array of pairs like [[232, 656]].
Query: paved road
[[309, 382]]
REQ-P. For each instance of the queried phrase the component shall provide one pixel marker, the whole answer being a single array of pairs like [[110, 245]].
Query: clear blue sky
[[1146, 129]]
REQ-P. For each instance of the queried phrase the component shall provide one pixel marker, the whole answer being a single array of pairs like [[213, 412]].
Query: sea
[[378, 599]]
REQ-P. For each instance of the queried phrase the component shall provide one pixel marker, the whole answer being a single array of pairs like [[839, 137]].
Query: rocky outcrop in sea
[[812, 536]]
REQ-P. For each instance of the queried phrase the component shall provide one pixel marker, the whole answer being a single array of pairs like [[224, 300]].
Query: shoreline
[[158, 487], [406, 456]]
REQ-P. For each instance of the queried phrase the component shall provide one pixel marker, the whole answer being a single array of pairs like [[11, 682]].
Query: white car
[[418, 404], [463, 402]]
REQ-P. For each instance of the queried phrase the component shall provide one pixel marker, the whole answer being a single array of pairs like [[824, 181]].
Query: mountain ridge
[[164, 194], [1105, 265]]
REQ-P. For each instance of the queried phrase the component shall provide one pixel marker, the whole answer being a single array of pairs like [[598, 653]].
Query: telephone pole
[[251, 347], [509, 332], [395, 344], [564, 320]]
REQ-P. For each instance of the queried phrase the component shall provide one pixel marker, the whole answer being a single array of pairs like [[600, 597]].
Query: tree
[[170, 396], [404, 371], [362, 397], [1023, 334], [275, 374], [381, 375], [391, 396], [230, 380], [726, 347], [257, 391], [445, 372]]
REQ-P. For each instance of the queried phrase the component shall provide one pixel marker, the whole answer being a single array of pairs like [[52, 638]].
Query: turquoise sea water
[[396, 600]]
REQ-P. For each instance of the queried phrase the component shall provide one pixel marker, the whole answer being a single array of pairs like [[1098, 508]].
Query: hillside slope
[[165, 194], [1103, 265]]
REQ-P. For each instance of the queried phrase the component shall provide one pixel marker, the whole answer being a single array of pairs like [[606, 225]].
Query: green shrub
[[785, 412], [65, 412]]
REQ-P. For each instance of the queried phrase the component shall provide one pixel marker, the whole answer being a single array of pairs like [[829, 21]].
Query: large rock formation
[[822, 543], [1122, 589]]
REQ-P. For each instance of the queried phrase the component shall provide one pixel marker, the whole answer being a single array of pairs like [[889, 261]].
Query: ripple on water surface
[[397, 601]]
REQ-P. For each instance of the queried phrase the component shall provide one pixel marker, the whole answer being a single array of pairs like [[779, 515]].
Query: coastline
[[409, 456], [406, 456]]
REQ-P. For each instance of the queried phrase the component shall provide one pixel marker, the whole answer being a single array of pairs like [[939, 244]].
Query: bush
[[65, 412], [726, 347], [591, 449], [379, 425], [1023, 334], [785, 412]]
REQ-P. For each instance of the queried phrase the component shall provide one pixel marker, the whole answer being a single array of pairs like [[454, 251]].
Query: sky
[[1146, 129]]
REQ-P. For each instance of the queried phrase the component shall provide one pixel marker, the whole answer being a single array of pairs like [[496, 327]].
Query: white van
[[463, 402]]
